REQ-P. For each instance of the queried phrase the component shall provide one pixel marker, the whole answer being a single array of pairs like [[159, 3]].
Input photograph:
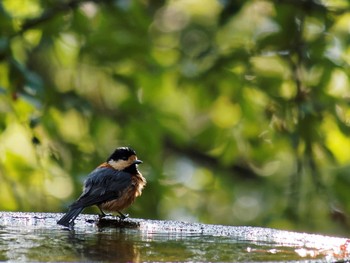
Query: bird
[[112, 186]]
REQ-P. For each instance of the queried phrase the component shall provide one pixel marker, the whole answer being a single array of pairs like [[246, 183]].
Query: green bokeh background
[[239, 109]]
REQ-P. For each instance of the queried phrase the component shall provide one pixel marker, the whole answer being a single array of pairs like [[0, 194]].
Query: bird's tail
[[70, 216]]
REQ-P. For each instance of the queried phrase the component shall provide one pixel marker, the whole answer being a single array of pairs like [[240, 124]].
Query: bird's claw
[[122, 216], [103, 215]]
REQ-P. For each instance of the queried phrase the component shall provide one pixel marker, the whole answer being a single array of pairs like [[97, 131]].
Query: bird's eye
[[124, 158]]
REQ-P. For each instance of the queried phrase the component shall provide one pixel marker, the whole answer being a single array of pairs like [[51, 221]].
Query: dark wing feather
[[102, 185]]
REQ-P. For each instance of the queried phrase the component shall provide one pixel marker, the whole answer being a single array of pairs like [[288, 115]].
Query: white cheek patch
[[118, 165]]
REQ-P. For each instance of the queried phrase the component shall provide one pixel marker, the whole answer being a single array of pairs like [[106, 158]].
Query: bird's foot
[[103, 215], [122, 216]]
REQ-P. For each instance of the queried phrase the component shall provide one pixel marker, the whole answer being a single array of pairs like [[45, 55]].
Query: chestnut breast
[[127, 196]]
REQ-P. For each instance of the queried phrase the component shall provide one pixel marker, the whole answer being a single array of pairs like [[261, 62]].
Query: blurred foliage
[[240, 110]]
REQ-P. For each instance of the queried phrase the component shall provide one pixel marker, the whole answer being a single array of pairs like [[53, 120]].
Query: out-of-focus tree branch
[[241, 170]]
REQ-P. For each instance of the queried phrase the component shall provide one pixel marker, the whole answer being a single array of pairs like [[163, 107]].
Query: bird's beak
[[137, 162]]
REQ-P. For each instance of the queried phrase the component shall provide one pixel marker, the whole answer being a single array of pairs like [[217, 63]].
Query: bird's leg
[[103, 214], [122, 216]]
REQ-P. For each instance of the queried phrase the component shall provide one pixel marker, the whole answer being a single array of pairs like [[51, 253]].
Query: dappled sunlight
[[59, 186], [72, 125], [22, 9], [15, 141], [224, 113], [171, 18], [246, 208], [339, 85], [337, 142]]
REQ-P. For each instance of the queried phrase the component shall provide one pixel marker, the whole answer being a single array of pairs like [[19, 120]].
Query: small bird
[[112, 186]]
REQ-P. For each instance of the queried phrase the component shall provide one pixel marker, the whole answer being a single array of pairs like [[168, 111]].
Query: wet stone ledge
[[194, 238]]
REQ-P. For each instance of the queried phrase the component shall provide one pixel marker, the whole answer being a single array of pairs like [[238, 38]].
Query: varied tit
[[112, 186]]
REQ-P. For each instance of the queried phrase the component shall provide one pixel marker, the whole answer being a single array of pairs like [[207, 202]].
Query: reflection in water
[[131, 245], [109, 246], [61, 245]]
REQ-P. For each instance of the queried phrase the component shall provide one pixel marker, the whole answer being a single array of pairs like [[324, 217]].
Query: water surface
[[36, 237]]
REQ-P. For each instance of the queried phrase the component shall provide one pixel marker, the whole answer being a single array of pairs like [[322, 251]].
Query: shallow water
[[36, 237]]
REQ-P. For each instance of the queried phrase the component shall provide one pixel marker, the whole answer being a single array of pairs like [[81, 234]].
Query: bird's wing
[[102, 185]]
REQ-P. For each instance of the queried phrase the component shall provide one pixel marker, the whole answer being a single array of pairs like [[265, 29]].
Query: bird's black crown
[[121, 153]]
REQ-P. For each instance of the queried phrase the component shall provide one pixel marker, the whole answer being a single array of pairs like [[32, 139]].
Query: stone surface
[[191, 241]]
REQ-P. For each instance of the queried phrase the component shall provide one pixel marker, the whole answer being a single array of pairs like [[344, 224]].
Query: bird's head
[[122, 158]]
